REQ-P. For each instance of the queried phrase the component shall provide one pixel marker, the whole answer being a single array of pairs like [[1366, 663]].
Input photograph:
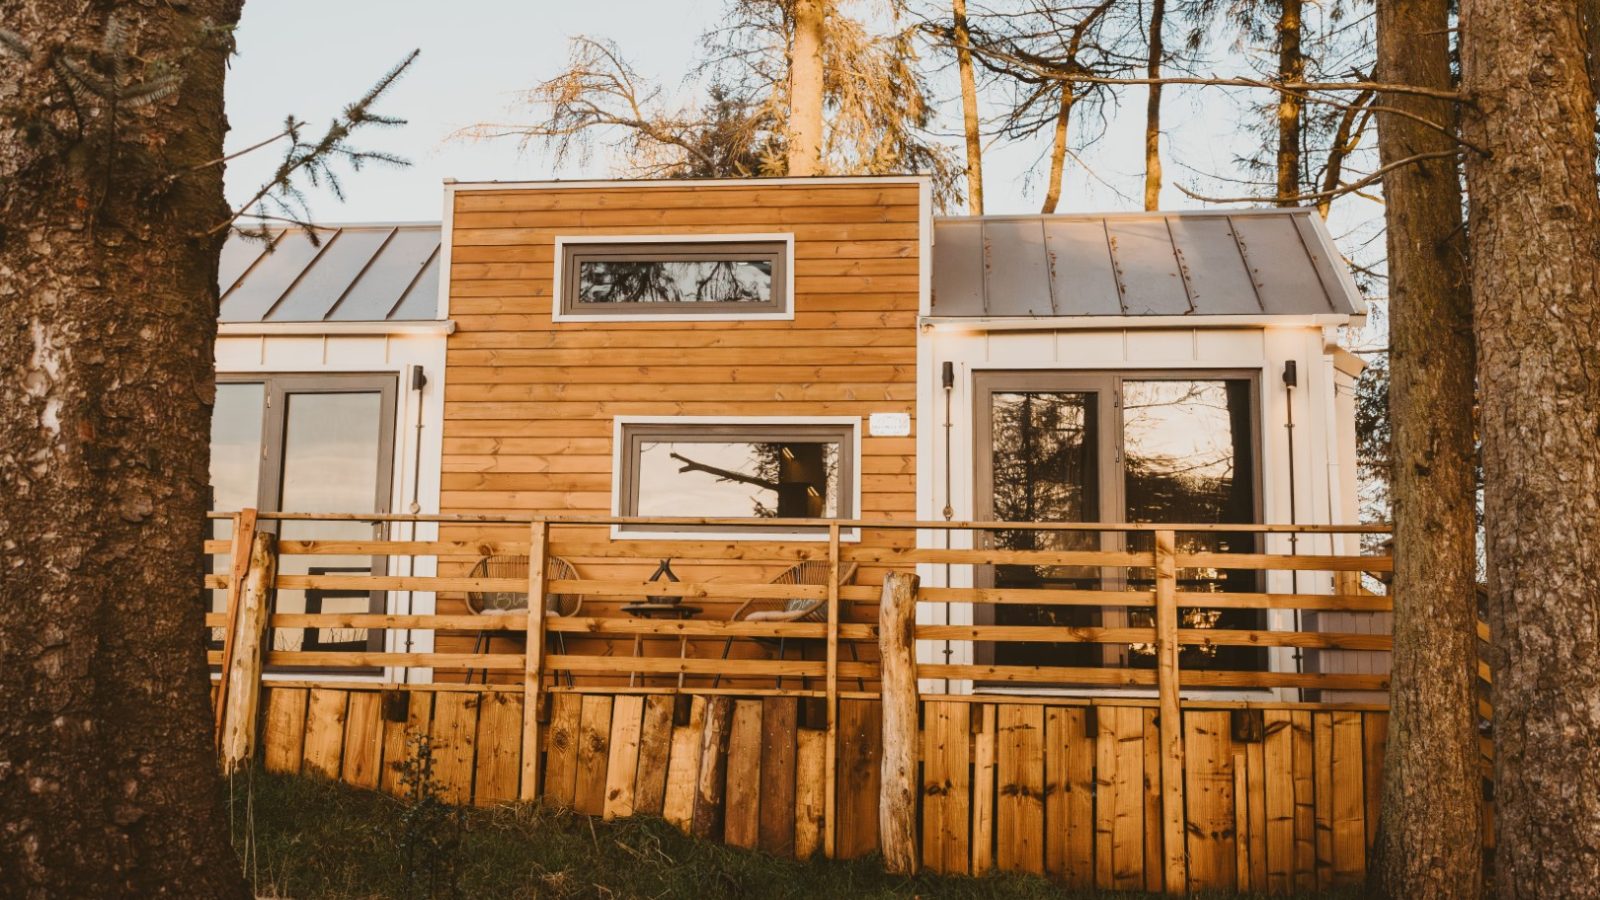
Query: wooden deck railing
[[608, 652]]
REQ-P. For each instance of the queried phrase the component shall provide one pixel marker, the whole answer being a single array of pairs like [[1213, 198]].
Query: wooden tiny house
[[1020, 542]]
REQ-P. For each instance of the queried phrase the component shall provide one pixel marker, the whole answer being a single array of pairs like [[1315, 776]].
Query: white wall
[[1324, 434], [375, 353]]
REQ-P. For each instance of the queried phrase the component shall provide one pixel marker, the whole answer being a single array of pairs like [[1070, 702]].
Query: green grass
[[313, 839]]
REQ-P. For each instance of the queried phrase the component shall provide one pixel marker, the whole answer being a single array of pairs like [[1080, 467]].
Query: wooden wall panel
[[529, 402]]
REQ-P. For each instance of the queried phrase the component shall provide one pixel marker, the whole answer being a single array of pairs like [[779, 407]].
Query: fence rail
[[1157, 594]]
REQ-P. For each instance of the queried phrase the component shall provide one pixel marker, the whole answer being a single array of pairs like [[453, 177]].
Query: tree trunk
[[1430, 836], [1152, 115], [108, 302], [805, 88], [1058, 150], [969, 109], [1291, 68], [1535, 242]]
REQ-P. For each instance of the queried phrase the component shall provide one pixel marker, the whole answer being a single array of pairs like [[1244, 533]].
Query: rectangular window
[[726, 470], [705, 277], [307, 444]]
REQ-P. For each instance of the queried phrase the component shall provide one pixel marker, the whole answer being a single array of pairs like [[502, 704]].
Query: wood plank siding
[[530, 402]]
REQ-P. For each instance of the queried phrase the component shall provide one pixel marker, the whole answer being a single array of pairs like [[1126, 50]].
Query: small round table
[[655, 609]]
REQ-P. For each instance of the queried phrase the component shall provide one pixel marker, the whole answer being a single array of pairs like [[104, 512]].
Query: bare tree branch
[[1342, 189]]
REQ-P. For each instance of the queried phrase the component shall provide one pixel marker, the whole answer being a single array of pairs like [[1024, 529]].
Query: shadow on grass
[[313, 839]]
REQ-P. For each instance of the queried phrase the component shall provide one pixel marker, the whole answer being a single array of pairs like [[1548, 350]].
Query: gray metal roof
[[1201, 263], [358, 273]]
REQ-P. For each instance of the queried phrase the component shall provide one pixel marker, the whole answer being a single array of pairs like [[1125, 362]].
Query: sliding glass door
[[1115, 447], [308, 444]]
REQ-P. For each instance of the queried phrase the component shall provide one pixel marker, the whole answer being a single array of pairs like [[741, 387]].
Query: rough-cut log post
[[244, 532], [242, 687], [1171, 713], [711, 786], [533, 659], [897, 794], [830, 776]]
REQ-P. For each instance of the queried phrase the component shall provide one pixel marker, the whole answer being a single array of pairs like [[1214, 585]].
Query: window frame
[[570, 249], [628, 431]]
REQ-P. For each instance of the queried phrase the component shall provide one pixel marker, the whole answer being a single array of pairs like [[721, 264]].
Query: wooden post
[[240, 691], [1171, 712], [897, 792], [712, 781], [533, 659], [244, 530], [830, 773]]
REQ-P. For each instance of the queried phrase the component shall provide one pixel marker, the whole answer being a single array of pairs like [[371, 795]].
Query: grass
[[305, 838]]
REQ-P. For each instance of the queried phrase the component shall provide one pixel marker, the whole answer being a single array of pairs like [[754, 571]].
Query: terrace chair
[[798, 609], [503, 603]]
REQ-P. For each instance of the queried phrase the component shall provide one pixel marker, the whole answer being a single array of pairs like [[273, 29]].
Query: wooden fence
[[1154, 786]]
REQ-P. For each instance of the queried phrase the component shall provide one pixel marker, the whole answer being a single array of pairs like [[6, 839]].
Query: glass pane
[[235, 467], [675, 281], [1045, 470], [331, 460], [1189, 452], [796, 479]]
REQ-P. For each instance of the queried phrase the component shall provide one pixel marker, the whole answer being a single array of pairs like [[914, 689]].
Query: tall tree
[[1291, 69], [1430, 837], [111, 113], [962, 38], [805, 86], [1535, 243], [1152, 114]]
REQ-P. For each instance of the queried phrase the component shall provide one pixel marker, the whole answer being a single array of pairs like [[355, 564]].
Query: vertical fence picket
[[830, 793], [244, 531]]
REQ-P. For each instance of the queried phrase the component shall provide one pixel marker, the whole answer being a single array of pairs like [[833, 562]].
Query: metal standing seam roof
[[357, 273], [1200, 263]]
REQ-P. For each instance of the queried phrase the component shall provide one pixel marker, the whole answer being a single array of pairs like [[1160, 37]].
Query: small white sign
[[889, 425]]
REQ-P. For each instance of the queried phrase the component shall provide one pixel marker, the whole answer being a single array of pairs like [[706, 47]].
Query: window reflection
[[675, 281], [736, 479], [1045, 469], [331, 459], [235, 468], [1189, 457]]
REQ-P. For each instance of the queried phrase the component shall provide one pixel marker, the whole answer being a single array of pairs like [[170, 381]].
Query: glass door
[[1158, 448], [1042, 460]]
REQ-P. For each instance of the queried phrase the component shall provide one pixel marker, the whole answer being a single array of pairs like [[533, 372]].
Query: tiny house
[[615, 490]]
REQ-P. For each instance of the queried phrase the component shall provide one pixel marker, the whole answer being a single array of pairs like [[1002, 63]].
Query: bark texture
[[805, 87], [1535, 244], [1058, 151], [1291, 69], [1430, 832], [969, 108], [108, 779], [1152, 110]]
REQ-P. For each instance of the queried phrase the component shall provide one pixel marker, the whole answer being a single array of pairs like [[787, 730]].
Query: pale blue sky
[[311, 58]]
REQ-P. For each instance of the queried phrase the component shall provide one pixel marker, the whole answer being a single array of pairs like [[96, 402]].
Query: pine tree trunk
[[108, 779], [805, 87], [1152, 115], [1535, 245], [969, 108], [1058, 150], [1291, 68], [1430, 840]]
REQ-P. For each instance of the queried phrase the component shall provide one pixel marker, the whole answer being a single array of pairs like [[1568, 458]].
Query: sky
[[312, 58]]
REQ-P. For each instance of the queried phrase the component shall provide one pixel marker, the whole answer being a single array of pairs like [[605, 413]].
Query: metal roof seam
[[410, 285], [299, 276], [328, 314]]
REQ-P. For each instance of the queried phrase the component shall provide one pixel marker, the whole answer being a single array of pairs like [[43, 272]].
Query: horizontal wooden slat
[[1042, 675], [1036, 597], [672, 665], [1275, 562], [1335, 602], [998, 557]]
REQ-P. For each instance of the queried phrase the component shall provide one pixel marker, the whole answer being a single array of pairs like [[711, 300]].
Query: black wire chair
[[501, 603]]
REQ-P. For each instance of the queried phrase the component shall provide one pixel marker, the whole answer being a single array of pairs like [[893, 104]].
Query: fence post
[[244, 530], [241, 685], [897, 797], [830, 774], [1171, 714], [533, 659]]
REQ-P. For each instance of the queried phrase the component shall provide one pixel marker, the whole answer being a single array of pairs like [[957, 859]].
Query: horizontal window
[[736, 471], [732, 278]]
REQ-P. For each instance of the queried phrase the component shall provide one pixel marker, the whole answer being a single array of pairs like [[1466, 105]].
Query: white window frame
[[619, 451], [670, 315]]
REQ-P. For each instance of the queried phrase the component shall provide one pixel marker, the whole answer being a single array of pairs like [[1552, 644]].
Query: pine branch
[[1341, 190]]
